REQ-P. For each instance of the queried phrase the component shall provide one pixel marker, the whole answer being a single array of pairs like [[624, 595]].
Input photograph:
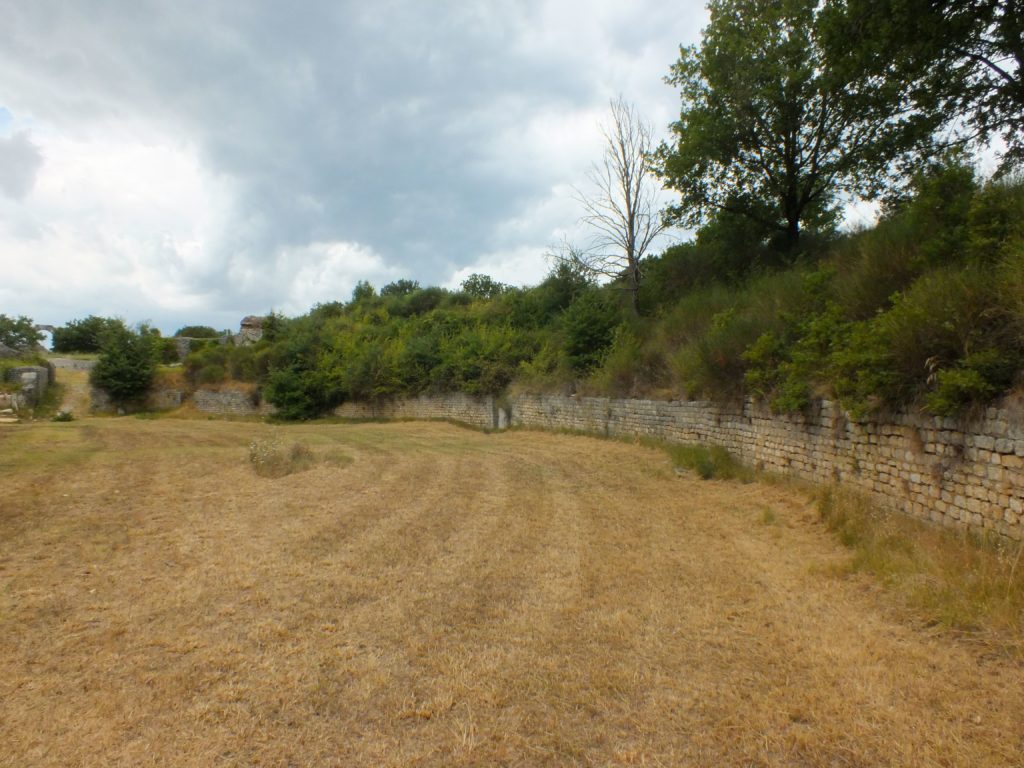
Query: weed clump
[[710, 463], [270, 457], [953, 580]]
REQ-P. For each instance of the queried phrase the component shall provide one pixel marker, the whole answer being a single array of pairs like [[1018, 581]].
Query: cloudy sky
[[194, 162]]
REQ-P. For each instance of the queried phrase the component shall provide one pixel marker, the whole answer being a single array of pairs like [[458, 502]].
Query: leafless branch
[[622, 211]]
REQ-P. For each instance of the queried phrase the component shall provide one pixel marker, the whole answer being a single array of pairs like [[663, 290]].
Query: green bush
[[632, 367], [588, 325], [946, 333], [712, 366], [977, 379], [996, 221], [127, 364]]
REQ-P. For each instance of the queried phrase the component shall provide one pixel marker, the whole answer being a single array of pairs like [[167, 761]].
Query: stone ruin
[[30, 383], [250, 331]]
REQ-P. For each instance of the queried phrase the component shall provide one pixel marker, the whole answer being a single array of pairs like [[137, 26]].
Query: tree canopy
[[771, 130], [965, 58], [19, 333]]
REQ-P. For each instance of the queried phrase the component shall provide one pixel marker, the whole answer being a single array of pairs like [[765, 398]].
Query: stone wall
[[230, 403], [962, 473], [479, 412], [954, 472], [31, 382]]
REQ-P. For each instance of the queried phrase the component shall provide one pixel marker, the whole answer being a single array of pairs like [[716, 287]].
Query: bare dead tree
[[622, 210]]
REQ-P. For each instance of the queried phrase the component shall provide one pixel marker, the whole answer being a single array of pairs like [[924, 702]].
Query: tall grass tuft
[[709, 462], [951, 579]]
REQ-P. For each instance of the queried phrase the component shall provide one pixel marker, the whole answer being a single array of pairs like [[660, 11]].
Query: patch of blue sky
[[6, 121]]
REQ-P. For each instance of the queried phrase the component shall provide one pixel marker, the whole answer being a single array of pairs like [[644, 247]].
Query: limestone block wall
[[958, 473], [32, 382], [229, 403], [480, 412]]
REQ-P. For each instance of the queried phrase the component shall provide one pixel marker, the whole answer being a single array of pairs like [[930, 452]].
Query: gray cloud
[[372, 123], [20, 161]]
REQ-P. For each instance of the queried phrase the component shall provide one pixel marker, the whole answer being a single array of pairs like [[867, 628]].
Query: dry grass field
[[424, 595]]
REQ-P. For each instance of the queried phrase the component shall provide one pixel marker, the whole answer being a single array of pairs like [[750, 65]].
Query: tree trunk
[[792, 233]]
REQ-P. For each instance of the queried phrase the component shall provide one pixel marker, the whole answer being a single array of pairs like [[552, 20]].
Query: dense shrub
[[85, 335], [926, 308], [589, 326], [127, 363]]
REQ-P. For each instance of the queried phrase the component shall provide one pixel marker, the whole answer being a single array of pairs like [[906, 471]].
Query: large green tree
[[19, 333], [771, 131], [965, 58]]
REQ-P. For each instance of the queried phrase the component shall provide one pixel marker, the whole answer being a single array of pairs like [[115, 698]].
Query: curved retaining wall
[[480, 412], [966, 473]]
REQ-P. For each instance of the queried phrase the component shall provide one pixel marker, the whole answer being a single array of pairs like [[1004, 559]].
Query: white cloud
[[322, 272], [20, 161], [115, 227], [214, 159], [524, 265]]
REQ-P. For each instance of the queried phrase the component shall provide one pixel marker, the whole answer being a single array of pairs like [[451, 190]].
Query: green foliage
[[589, 326], [127, 363], [978, 378], [925, 309], [946, 331], [709, 462], [996, 221], [482, 287], [85, 335], [19, 333], [771, 128], [400, 288], [963, 58], [211, 361], [631, 367], [198, 332]]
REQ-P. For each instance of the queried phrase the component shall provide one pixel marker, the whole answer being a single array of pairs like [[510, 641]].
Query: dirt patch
[[76, 391], [449, 598]]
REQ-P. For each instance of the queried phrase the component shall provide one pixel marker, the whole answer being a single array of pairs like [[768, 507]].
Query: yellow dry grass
[[449, 598]]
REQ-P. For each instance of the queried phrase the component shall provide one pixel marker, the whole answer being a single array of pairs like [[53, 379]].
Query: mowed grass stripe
[[452, 598]]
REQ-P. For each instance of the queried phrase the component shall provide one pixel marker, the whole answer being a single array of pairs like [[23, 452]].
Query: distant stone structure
[[250, 332]]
